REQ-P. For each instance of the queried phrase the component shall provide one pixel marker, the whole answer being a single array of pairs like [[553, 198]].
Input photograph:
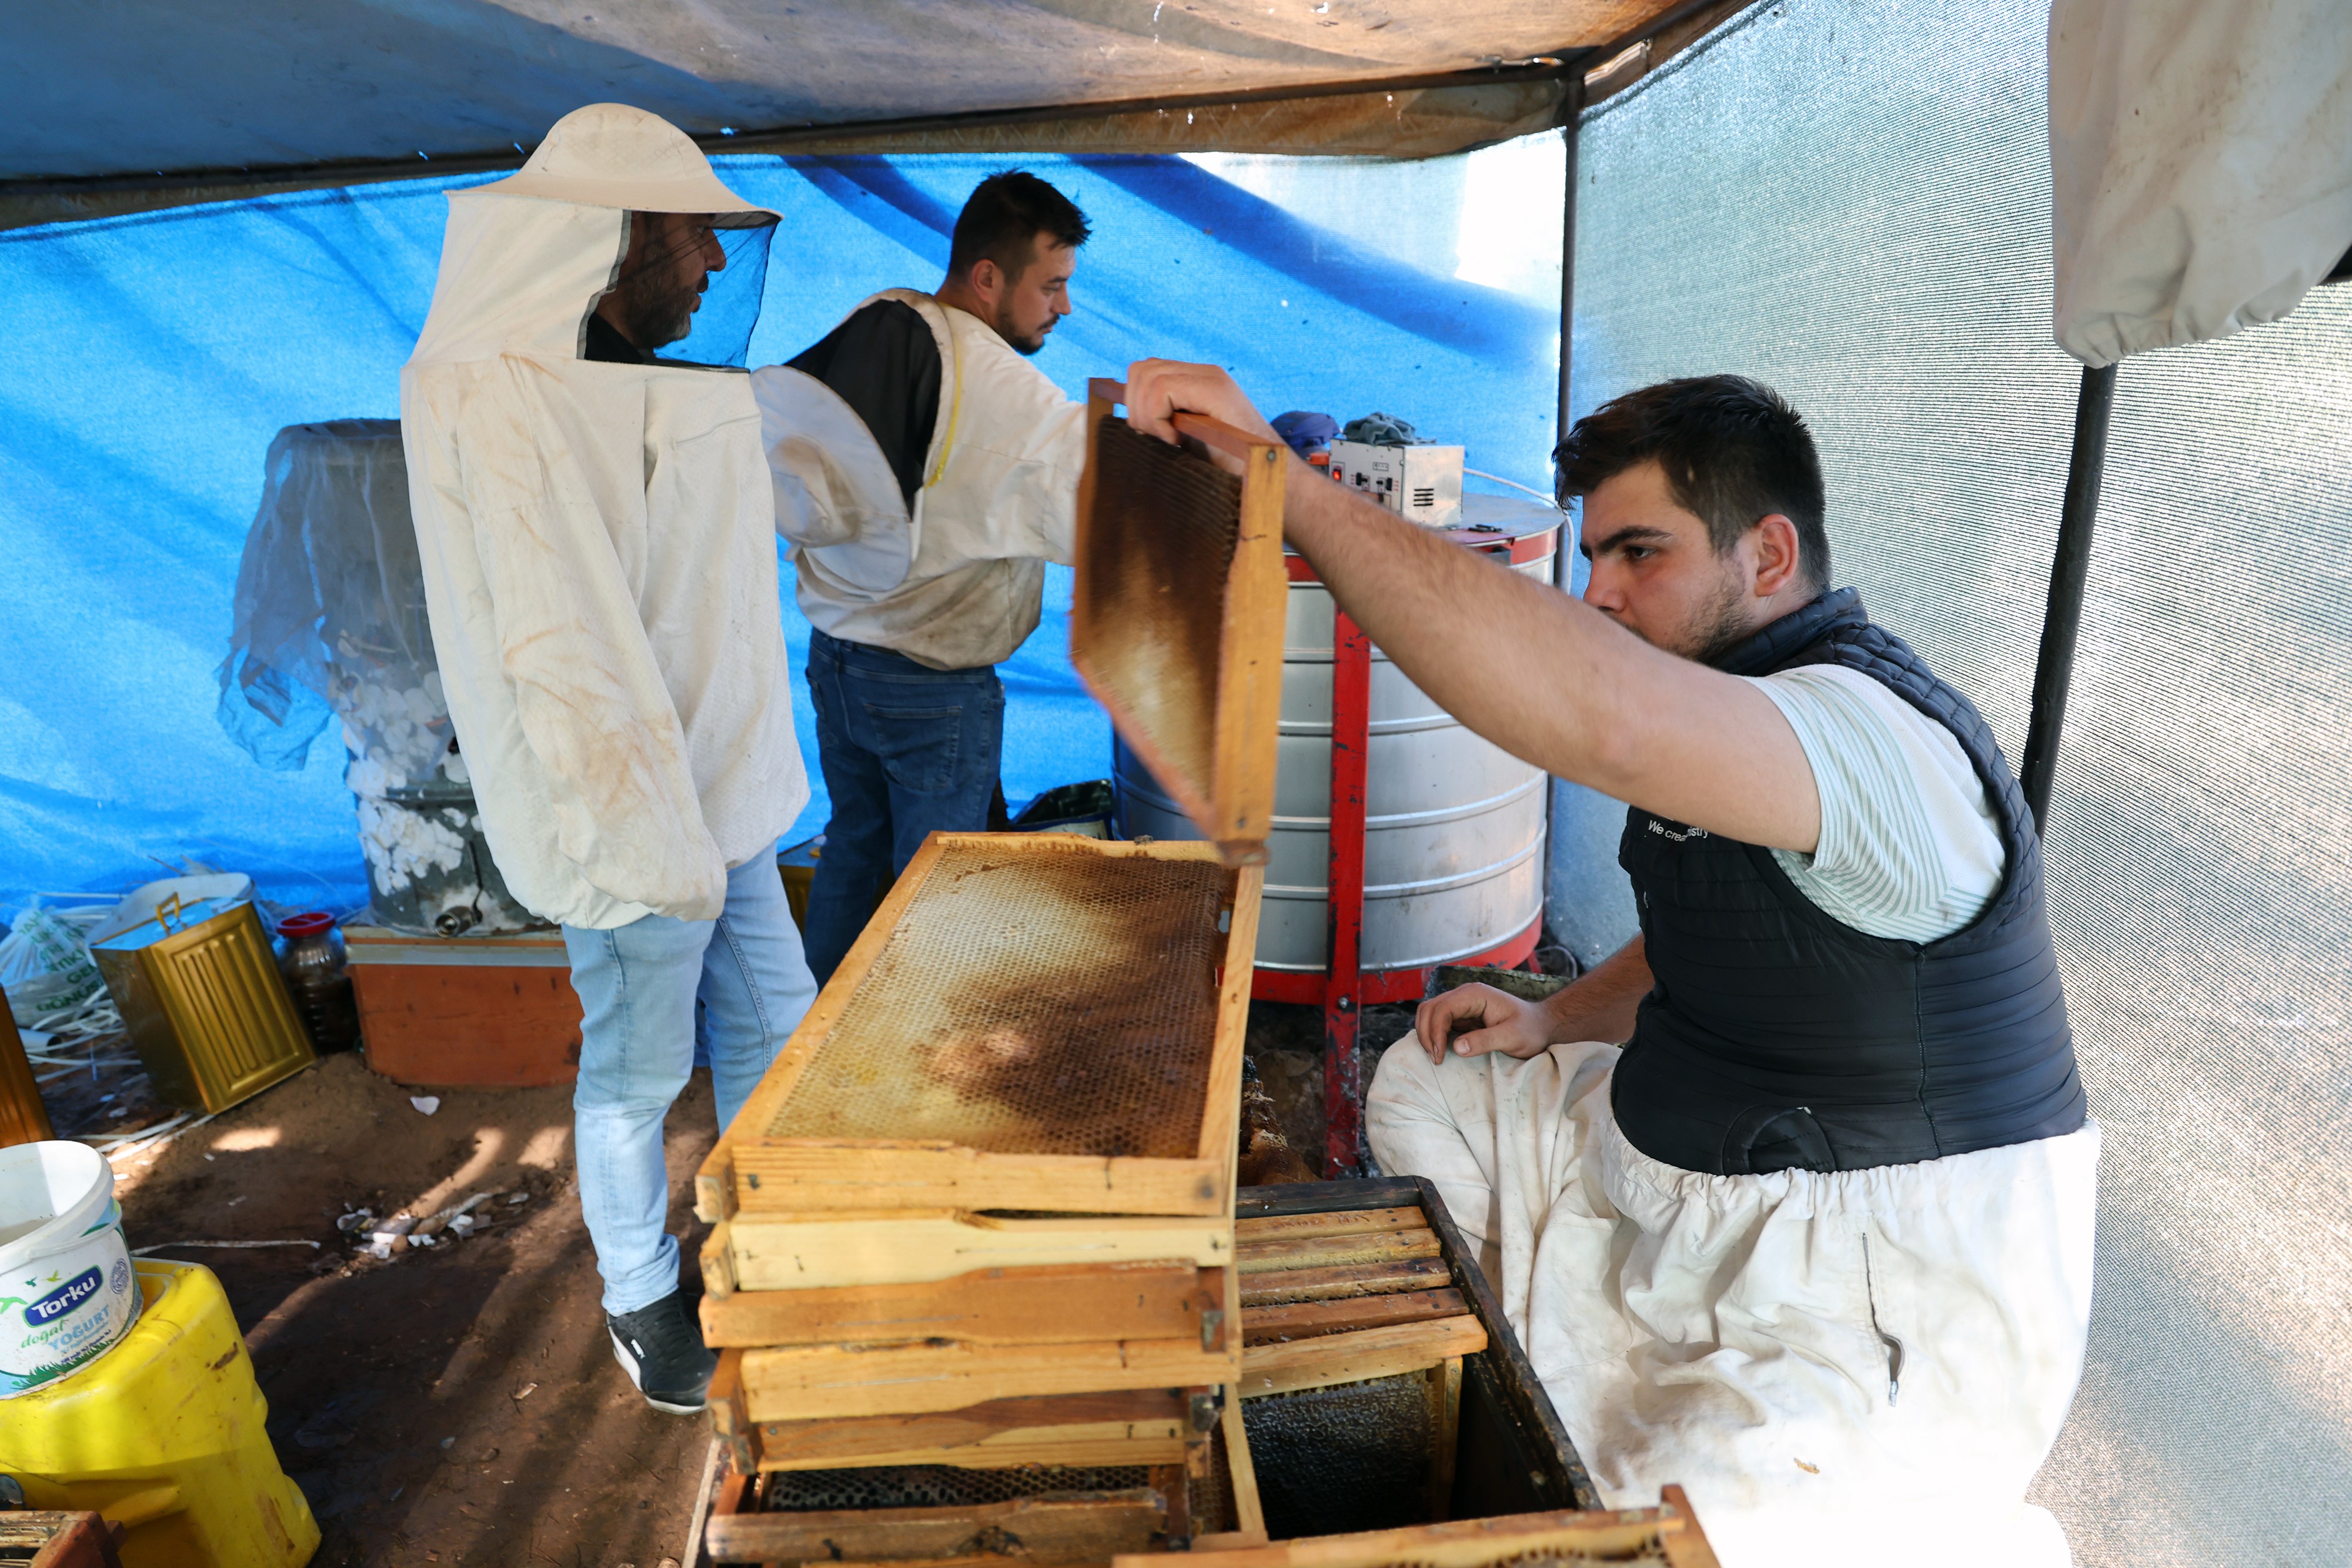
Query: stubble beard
[[1720, 625]]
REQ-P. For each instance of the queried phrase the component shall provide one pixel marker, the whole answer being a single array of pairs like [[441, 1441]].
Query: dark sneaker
[[661, 1349]]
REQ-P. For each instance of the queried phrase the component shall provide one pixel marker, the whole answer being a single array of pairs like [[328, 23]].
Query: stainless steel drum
[[1454, 835]]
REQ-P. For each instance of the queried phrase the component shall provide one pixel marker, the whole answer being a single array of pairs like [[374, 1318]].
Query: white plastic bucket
[[66, 1296]]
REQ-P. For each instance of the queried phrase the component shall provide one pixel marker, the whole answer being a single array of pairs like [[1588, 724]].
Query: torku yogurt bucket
[[66, 1296]]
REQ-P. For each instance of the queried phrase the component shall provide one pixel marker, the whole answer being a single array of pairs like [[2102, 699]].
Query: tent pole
[[2070, 569], [1564, 568], [1572, 107]]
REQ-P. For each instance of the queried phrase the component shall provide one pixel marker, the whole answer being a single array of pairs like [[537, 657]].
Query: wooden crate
[[1353, 1287], [1156, 1426], [1667, 1536], [466, 1011], [1177, 611], [47, 1539], [1347, 1288], [1035, 1022], [1056, 1022]]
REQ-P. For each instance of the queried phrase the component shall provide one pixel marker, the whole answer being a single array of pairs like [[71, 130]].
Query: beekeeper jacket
[[600, 569], [999, 499]]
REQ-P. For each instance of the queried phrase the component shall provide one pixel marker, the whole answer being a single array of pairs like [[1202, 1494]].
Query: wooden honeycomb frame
[[1139, 624], [753, 1177]]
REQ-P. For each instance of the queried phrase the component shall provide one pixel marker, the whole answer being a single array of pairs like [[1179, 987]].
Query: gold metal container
[[208, 1012], [23, 1118], [797, 866]]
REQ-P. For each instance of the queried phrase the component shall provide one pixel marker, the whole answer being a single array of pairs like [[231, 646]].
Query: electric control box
[[1422, 483]]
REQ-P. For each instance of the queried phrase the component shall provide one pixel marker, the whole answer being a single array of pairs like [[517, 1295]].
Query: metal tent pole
[[1572, 107], [2070, 569]]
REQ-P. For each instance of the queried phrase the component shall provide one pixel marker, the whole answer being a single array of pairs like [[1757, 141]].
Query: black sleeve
[[884, 362]]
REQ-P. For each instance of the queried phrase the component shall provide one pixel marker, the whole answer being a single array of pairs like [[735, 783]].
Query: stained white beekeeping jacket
[[598, 546], [957, 581]]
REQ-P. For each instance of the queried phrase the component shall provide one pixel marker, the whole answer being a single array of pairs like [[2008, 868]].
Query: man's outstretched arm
[[1471, 1020], [1584, 698]]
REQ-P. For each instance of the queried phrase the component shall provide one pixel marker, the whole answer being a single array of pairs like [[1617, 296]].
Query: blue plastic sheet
[[152, 358]]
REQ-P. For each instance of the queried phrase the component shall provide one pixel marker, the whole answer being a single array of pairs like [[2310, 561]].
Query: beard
[[1012, 334], [658, 310]]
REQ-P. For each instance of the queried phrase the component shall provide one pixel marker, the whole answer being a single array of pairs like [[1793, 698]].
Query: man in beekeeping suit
[[597, 534], [926, 471]]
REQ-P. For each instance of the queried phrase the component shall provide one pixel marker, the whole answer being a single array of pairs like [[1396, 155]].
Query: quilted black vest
[[1777, 1037]]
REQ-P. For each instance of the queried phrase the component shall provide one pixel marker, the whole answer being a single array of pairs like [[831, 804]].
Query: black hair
[[1003, 217], [1734, 452]]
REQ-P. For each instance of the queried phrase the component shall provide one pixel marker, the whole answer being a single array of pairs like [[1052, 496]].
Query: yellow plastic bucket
[[163, 1435]]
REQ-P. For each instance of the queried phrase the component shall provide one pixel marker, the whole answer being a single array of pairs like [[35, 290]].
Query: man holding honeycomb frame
[[1814, 1239]]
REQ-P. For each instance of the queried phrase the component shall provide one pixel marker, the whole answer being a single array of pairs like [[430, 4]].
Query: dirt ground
[[459, 1405], [1286, 1047]]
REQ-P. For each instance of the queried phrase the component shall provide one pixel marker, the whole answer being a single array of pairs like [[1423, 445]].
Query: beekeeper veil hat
[[526, 258], [611, 155]]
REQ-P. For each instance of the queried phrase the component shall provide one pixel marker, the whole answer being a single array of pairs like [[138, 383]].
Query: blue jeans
[[639, 985], [908, 751]]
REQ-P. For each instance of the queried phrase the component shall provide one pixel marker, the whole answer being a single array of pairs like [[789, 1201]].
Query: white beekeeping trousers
[[1853, 1366]]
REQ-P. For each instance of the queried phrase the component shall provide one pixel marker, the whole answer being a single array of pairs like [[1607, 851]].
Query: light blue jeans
[[639, 985]]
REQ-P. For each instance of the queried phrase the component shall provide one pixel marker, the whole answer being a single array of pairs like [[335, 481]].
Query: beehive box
[[995, 1161], [452, 1011], [1036, 1515], [972, 1265], [1381, 1384], [1382, 1387]]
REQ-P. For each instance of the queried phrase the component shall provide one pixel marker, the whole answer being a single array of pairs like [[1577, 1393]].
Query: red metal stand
[[1352, 740]]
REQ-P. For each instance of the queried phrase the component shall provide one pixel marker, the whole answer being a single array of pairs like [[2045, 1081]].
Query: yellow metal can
[[163, 1435], [208, 1012]]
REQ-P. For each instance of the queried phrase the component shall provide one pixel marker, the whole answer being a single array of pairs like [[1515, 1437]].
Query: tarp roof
[[127, 93]]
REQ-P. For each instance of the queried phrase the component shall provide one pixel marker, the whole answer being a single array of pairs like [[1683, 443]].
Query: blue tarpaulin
[[151, 359]]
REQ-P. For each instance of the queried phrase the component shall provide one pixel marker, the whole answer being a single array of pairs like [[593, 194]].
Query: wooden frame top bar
[[1229, 439]]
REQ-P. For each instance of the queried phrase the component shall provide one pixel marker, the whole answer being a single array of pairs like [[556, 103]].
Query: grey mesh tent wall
[[1854, 203]]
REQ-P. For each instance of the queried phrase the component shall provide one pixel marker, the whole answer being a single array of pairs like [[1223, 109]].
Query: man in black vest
[[1815, 1241]]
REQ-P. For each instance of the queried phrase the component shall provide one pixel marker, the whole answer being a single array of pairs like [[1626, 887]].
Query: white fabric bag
[[2201, 155]]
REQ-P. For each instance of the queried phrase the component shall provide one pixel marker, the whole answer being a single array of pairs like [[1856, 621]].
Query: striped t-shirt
[[1909, 846]]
